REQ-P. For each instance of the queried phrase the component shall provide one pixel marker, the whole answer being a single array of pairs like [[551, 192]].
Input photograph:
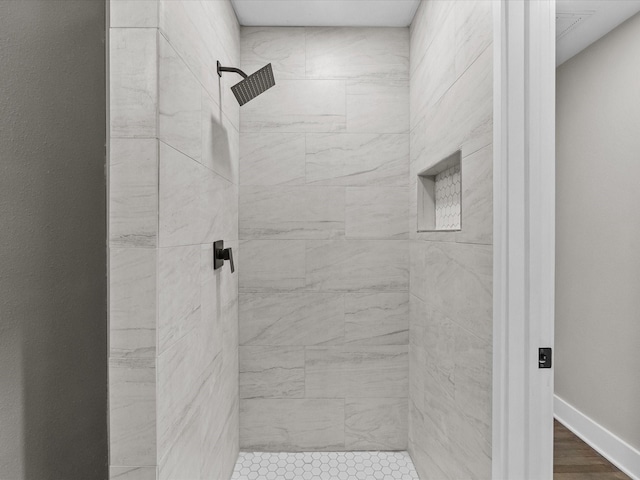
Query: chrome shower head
[[252, 85]]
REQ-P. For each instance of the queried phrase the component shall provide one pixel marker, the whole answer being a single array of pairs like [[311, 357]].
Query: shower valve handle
[[220, 254]]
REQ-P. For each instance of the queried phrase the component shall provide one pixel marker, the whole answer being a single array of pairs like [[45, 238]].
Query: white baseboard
[[607, 444]]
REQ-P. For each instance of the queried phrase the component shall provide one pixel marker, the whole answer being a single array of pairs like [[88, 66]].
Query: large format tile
[[379, 371], [132, 302], [357, 159], [181, 374], [179, 109], [272, 265], [298, 106], [272, 159], [133, 13], [133, 192], [133, 92], [463, 115], [474, 31], [132, 411], [132, 473], [186, 27], [377, 107], [376, 318], [178, 293], [292, 424], [473, 371], [196, 205], [276, 372], [291, 212], [377, 212], [373, 53], [283, 47], [477, 197], [181, 458], [292, 318], [357, 265], [376, 423], [220, 141]]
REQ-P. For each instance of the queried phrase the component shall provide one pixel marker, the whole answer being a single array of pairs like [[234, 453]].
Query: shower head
[[252, 85]]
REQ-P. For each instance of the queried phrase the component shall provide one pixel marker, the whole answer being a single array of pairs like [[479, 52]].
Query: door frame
[[524, 237]]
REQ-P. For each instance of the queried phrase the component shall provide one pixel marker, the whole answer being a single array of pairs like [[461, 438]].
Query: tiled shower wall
[[324, 229], [451, 272], [173, 191]]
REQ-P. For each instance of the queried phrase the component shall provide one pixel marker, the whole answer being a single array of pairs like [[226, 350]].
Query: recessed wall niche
[[439, 196]]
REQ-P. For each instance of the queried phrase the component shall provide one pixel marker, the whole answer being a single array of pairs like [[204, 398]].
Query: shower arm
[[230, 69]]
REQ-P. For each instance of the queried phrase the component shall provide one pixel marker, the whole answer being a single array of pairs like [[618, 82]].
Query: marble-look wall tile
[[272, 265], [298, 106], [283, 47], [369, 53], [181, 458], [473, 374], [474, 31], [379, 371], [376, 423], [477, 197], [451, 122], [179, 110], [181, 372], [292, 212], [132, 302], [293, 318], [292, 424], [357, 265], [451, 273], [272, 159], [276, 372], [425, 28], [220, 141], [219, 456], [132, 473], [195, 204], [133, 92], [376, 318], [133, 13], [178, 293], [325, 155], [132, 411], [357, 159], [377, 107], [133, 192], [376, 212], [186, 27], [435, 72]]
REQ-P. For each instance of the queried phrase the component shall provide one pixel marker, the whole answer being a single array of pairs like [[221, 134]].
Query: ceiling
[[326, 13], [579, 23]]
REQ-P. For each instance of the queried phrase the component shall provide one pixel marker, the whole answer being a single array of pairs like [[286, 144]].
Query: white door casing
[[524, 237]]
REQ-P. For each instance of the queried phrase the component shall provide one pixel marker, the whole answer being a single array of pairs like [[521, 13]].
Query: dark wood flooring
[[575, 460]]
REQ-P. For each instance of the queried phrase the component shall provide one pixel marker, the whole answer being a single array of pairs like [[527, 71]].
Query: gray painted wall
[[53, 340], [597, 225]]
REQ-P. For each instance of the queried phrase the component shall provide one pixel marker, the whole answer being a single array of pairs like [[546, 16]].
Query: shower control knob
[[220, 254]]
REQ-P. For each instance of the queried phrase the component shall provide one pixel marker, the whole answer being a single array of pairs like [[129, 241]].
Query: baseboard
[[607, 444]]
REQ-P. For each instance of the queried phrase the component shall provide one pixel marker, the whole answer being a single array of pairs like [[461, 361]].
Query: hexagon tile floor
[[325, 466]]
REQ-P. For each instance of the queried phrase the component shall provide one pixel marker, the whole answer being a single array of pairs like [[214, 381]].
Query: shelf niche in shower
[[440, 196]]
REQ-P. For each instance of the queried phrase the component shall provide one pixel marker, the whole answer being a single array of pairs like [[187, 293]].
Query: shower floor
[[324, 466]]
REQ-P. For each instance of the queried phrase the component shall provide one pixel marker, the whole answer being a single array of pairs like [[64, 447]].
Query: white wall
[[598, 225]]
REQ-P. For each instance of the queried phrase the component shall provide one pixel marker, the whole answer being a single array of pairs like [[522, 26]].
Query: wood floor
[[575, 460]]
